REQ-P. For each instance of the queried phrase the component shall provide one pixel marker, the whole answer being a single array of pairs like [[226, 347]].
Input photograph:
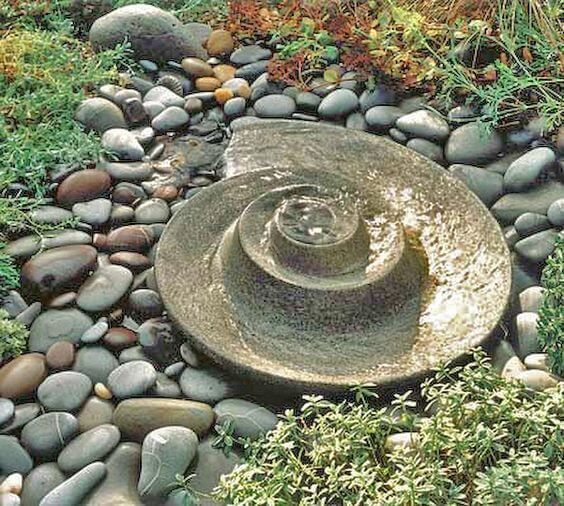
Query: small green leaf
[[331, 76]]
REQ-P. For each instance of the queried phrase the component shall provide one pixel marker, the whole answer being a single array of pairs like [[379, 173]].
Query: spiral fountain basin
[[330, 258]]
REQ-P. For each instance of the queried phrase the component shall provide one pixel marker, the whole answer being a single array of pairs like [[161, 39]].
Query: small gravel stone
[[96, 212], [23, 414], [7, 410], [145, 303], [132, 379], [275, 106], [96, 362], [196, 67], [379, 95], [537, 380], [252, 71], [527, 333], [356, 121], [164, 96], [338, 104], [166, 387], [470, 144], [382, 117], [64, 391], [234, 107], [100, 114], [220, 43], [39, 482], [555, 213], [249, 54], [94, 413], [152, 211], [13, 457], [427, 148], [171, 119], [96, 332]]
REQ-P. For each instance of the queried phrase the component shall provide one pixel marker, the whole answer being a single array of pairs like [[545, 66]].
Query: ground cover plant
[[13, 337], [551, 312], [488, 441]]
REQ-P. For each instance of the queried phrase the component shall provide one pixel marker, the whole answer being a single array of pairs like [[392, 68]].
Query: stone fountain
[[331, 257]]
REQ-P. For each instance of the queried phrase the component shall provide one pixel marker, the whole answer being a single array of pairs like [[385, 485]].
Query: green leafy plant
[[551, 313], [488, 442], [13, 337]]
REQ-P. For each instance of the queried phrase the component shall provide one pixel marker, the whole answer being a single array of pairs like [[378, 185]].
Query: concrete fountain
[[331, 257]]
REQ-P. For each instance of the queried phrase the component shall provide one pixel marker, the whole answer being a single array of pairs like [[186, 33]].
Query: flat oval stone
[[196, 67], [338, 104], [59, 238], [137, 417], [21, 376], [96, 362], [177, 446], [555, 213], [50, 215], [120, 337], [152, 211], [487, 185], [94, 413], [137, 238], [82, 186], [425, 124], [104, 288], [13, 457], [248, 420], [88, 447], [100, 114], [537, 380], [382, 117], [126, 171], [145, 303], [64, 391], [164, 96], [132, 378], [537, 247], [249, 54], [46, 435], [379, 95], [73, 490], [24, 247], [95, 212], [171, 119], [470, 144], [39, 482], [57, 325], [59, 268], [119, 487], [204, 386], [427, 148], [123, 144], [60, 355], [531, 223], [524, 171], [275, 106]]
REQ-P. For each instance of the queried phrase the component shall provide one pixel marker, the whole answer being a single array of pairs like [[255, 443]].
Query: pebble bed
[[109, 403]]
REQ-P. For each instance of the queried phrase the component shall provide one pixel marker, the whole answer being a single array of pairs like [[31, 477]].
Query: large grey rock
[[57, 325], [153, 33], [88, 447], [100, 114], [471, 144], [166, 453], [119, 487], [47, 434], [13, 457], [64, 391], [524, 171], [248, 420], [488, 186], [39, 482], [72, 491]]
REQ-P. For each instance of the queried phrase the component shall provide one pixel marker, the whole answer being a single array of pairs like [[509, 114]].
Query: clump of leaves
[[488, 442], [551, 313], [13, 337]]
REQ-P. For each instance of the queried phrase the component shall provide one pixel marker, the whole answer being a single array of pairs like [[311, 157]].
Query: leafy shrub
[[551, 312], [13, 337], [490, 442]]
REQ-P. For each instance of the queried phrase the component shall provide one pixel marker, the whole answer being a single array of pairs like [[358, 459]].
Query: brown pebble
[[197, 68], [60, 355], [167, 192], [222, 95], [207, 84], [137, 238], [193, 105], [82, 186], [120, 337], [135, 262], [100, 241], [220, 42], [244, 91], [21, 377], [224, 72]]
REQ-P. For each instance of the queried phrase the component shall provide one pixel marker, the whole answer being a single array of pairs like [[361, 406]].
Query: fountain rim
[[293, 381]]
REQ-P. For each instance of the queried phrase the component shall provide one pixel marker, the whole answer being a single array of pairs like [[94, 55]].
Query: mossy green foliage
[[13, 337], [551, 312], [187, 10], [489, 442], [44, 74]]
